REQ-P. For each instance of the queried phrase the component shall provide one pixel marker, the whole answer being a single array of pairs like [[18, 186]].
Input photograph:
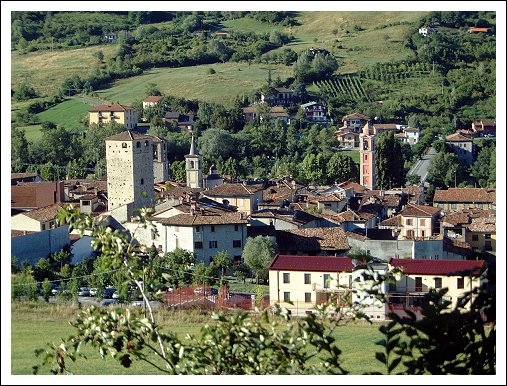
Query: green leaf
[[395, 362], [381, 357]]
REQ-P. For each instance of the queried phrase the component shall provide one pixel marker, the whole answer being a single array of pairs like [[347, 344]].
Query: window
[[138, 144], [145, 143], [423, 233], [475, 237], [286, 277], [308, 278], [453, 206], [409, 221], [460, 283], [86, 203], [198, 245], [286, 296], [212, 228], [197, 229], [327, 280], [241, 202], [350, 281], [213, 244], [487, 236], [423, 222], [142, 181], [366, 157], [124, 145], [236, 227], [236, 243], [308, 297], [418, 284], [43, 227], [438, 282]]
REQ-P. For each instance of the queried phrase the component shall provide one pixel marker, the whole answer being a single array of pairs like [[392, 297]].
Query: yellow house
[[307, 281], [419, 276], [481, 234], [124, 115], [245, 197], [418, 221]]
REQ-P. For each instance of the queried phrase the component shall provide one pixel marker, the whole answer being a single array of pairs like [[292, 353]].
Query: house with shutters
[[315, 112], [463, 146], [419, 222], [246, 197], [455, 199], [484, 128], [279, 96], [124, 115]]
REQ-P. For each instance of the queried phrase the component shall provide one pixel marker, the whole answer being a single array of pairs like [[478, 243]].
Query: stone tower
[[160, 162], [193, 166], [129, 159], [367, 156]]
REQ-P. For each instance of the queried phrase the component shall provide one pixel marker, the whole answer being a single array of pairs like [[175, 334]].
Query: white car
[[93, 291], [115, 295]]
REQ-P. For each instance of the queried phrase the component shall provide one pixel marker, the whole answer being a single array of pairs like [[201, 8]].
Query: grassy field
[[230, 80], [33, 326], [67, 114], [32, 132], [45, 71]]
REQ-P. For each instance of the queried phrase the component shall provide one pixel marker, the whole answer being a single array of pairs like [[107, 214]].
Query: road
[[421, 167]]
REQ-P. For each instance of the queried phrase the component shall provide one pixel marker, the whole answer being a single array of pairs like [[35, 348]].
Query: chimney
[[293, 182], [193, 207]]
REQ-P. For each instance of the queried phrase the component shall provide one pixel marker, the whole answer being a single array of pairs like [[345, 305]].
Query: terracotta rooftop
[[385, 126], [458, 137], [312, 239], [128, 135], [355, 116], [358, 188], [296, 217], [439, 267], [465, 216], [44, 214], [311, 263], [483, 224], [333, 197], [23, 175], [419, 210], [113, 107], [391, 200], [394, 221], [87, 184], [411, 129], [470, 195], [153, 98], [350, 215], [208, 218], [233, 190]]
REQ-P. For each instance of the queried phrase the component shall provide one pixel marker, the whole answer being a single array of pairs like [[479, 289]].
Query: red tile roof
[[113, 107], [233, 190], [483, 224], [153, 98], [458, 137], [419, 210], [355, 116], [385, 126], [312, 239], [474, 195], [44, 214], [439, 267], [358, 188], [311, 263]]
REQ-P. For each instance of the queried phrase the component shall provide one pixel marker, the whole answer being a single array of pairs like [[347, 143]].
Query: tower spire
[[192, 146]]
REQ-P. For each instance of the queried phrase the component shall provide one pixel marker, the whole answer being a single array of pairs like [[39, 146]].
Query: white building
[[193, 163]]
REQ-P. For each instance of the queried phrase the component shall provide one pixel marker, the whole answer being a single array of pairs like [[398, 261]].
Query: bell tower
[[193, 166], [367, 155]]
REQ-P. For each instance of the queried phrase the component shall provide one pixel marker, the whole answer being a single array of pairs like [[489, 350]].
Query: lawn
[[230, 80], [32, 327], [32, 133], [68, 114]]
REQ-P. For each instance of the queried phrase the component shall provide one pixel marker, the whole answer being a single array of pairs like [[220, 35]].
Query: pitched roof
[[355, 116], [113, 107], [394, 221], [474, 195], [128, 135], [311, 263], [44, 214], [312, 239], [411, 129], [385, 126], [350, 215], [23, 175], [419, 210], [233, 190], [153, 98], [333, 197], [358, 188], [483, 224], [297, 217], [458, 137], [439, 267]]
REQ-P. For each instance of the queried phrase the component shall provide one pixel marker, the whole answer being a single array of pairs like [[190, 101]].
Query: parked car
[[83, 291], [110, 302], [115, 295], [93, 291], [55, 289], [108, 292]]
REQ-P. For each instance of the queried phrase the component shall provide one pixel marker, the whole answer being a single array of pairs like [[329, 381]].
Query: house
[[300, 283], [412, 134], [330, 203], [284, 219], [347, 138], [315, 111], [419, 276], [75, 189], [185, 122], [425, 31], [484, 127], [279, 96], [379, 128], [212, 180], [454, 224], [32, 195], [393, 200], [152, 101], [111, 37], [350, 220], [419, 221], [358, 188], [204, 231], [24, 177], [312, 241], [281, 194], [454, 199], [481, 234], [36, 220], [124, 115], [275, 112], [463, 146], [245, 197], [354, 122]]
